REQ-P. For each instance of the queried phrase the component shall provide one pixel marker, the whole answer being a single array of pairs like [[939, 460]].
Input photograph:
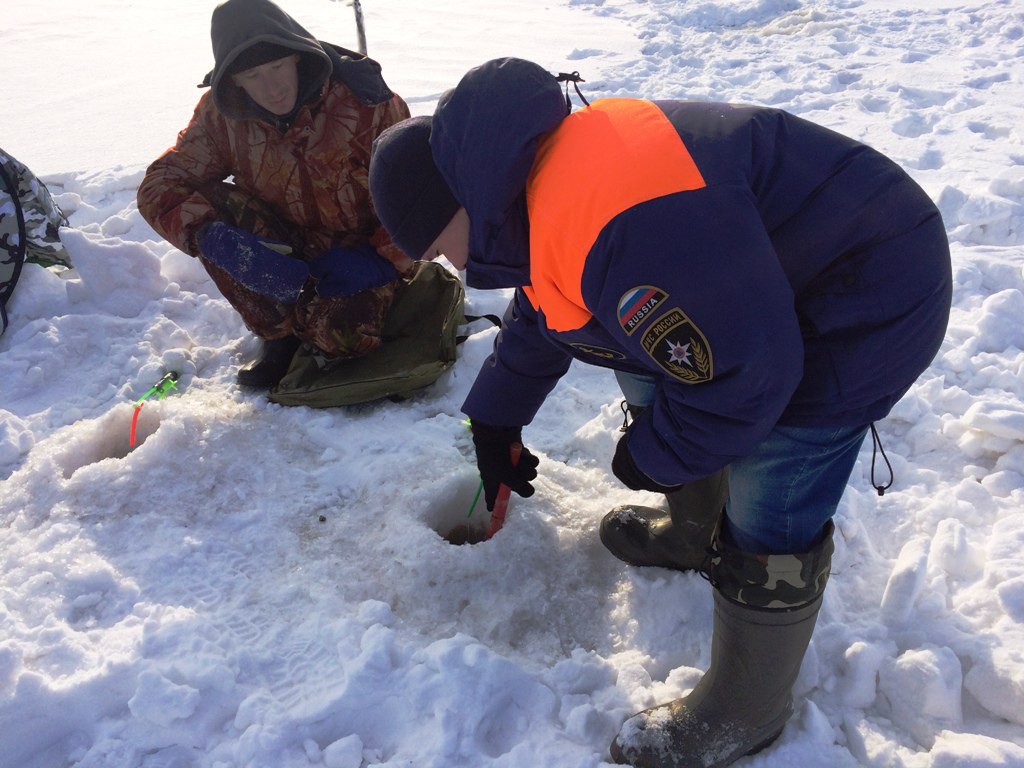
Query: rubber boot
[[677, 538], [271, 365], [764, 615]]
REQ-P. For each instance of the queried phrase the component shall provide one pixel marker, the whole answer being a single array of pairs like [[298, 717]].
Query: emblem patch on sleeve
[[679, 348], [637, 304]]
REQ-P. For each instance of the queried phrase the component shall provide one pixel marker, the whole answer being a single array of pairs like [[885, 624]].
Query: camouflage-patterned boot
[[765, 610], [271, 365], [676, 538]]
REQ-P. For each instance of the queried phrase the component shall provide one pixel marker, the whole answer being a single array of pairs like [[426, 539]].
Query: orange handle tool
[[501, 501]]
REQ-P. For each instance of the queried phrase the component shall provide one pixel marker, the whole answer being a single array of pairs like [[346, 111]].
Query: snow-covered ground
[[261, 586]]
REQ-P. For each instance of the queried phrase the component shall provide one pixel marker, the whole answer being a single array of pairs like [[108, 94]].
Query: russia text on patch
[[636, 305]]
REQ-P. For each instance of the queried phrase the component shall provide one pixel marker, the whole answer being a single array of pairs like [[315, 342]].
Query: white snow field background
[[257, 586]]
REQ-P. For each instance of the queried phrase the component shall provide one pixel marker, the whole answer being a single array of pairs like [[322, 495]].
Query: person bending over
[[764, 289]]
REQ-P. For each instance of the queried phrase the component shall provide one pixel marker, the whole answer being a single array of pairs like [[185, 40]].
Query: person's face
[[453, 242], [274, 85]]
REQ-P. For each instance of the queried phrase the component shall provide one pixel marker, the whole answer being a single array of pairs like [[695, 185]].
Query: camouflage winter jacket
[[311, 165]]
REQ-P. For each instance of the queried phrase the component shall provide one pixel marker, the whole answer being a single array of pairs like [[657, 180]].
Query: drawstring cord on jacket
[[575, 79], [876, 448], [624, 406]]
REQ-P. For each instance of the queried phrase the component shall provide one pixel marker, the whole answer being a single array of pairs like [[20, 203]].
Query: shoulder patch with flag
[[637, 304], [679, 348]]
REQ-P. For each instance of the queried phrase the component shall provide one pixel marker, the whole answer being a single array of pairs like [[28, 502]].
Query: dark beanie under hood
[[411, 197], [245, 31]]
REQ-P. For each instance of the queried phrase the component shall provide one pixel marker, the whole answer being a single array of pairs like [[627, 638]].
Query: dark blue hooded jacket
[[764, 269]]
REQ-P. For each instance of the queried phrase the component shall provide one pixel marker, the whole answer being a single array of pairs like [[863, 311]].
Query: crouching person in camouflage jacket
[[291, 240]]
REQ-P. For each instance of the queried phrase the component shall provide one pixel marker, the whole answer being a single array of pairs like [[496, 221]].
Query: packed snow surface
[[260, 586]]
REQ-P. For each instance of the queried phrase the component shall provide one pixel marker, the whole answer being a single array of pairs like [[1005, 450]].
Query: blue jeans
[[782, 494], [637, 389]]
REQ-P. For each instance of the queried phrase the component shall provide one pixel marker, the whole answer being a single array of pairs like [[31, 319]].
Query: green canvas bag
[[420, 337]]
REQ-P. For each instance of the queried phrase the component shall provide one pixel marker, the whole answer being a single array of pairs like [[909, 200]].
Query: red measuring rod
[[501, 500]]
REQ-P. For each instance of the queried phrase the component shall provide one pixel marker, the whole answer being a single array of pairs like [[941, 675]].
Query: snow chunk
[[16, 439], [997, 682], [923, 688], [972, 750], [984, 211], [999, 327], [116, 276], [1003, 483], [1003, 419], [861, 664], [10, 663], [1009, 183], [906, 580], [1011, 598], [344, 753], [161, 701], [950, 551]]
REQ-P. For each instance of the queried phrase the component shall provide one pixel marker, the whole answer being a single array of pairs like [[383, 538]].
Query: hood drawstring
[[575, 79], [876, 448]]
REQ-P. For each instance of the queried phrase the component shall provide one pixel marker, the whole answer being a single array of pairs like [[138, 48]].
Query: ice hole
[[449, 513], [108, 437]]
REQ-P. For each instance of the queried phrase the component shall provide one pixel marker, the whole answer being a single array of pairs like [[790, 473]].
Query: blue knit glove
[[342, 271], [260, 264]]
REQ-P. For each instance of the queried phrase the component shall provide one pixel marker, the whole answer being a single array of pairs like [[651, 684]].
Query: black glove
[[629, 473], [494, 460]]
